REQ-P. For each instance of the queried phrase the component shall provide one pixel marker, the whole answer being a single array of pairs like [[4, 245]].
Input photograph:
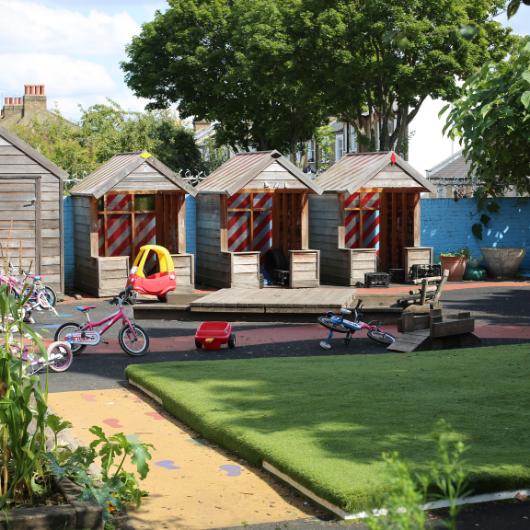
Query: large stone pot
[[503, 262]]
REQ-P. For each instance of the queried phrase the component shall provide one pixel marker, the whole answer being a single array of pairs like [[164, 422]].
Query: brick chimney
[[12, 107], [34, 99]]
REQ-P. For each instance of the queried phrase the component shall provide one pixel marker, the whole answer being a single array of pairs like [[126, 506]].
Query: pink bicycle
[[132, 338]]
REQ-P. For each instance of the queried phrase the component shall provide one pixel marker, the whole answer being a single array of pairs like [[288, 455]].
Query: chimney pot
[[26, 90], [42, 90]]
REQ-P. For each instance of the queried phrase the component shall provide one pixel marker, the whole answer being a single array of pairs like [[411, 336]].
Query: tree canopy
[[269, 72], [105, 130], [492, 121]]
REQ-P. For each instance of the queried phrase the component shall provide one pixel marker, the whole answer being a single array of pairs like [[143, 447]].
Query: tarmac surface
[[190, 487]]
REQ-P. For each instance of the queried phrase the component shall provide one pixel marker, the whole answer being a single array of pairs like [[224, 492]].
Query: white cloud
[[62, 75], [32, 27]]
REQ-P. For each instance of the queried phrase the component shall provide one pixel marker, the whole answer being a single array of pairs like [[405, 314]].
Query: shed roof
[[355, 170], [106, 176], [454, 167], [239, 170], [15, 141]]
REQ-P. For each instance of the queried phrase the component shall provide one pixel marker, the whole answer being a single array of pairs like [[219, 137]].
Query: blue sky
[[74, 47]]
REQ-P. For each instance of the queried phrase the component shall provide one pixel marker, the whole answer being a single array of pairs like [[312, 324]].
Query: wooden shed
[[254, 202], [31, 210], [131, 200], [368, 218]]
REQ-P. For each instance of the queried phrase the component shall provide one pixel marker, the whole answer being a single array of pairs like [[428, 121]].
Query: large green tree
[[385, 58], [270, 71], [239, 63], [492, 120], [105, 130]]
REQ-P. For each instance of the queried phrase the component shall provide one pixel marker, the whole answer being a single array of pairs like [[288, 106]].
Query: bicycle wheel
[[327, 322], [50, 295], [381, 337], [59, 356], [66, 329], [135, 342]]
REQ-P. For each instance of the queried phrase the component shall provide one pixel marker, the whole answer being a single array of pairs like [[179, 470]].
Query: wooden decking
[[275, 300]]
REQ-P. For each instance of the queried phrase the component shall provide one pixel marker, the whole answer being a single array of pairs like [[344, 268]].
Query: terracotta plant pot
[[456, 265], [503, 262]]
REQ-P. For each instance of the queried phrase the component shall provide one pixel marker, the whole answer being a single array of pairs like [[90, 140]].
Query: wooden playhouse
[[131, 200], [368, 218], [251, 204], [31, 210]]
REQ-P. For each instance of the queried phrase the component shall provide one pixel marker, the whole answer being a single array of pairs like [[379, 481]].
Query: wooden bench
[[430, 291]]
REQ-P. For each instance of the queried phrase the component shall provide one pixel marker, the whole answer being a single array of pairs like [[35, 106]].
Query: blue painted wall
[[446, 226], [69, 259]]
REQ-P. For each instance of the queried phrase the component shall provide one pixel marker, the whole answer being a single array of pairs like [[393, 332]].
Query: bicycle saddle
[[85, 308], [344, 311]]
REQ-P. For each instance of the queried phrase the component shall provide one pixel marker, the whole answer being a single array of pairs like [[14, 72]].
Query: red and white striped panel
[[352, 225], [239, 200], [119, 202], [101, 235], [370, 200], [238, 231], [352, 200], [371, 229], [145, 230], [262, 201], [262, 237], [118, 235]]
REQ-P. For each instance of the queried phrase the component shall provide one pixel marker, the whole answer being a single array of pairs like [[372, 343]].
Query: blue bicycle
[[338, 323]]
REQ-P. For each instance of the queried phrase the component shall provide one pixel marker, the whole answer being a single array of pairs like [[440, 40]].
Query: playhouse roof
[[242, 168], [31, 153], [355, 170], [112, 172]]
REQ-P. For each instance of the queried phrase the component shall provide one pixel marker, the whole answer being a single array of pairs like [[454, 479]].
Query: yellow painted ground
[[191, 484]]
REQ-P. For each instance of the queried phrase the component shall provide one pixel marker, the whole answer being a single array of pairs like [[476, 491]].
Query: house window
[[249, 222], [353, 140], [126, 221], [361, 219], [339, 146]]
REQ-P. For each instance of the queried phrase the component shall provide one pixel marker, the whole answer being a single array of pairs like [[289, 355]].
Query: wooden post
[[341, 229], [223, 229], [417, 220], [94, 236], [304, 222], [181, 223]]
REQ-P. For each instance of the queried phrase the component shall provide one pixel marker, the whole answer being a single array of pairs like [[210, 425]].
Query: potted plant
[[456, 263], [503, 262]]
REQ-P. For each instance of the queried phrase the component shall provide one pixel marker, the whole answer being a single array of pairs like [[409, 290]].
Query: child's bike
[[132, 338], [58, 357], [338, 323]]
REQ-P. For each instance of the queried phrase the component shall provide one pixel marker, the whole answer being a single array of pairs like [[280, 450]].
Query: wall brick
[[446, 226]]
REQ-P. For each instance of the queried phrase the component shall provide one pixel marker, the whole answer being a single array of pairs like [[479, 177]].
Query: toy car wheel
[[162, 298], [198, 344], [232, 341]]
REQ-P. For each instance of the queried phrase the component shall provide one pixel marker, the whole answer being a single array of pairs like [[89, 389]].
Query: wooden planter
[[456, 265], [74, 515]]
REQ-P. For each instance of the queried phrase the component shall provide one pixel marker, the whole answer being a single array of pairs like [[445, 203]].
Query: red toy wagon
[[212, 335]]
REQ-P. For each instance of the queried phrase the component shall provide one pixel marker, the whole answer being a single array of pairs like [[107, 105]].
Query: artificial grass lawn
[[326, 420]]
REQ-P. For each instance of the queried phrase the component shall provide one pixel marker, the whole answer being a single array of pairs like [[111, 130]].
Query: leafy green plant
[[23, 410], [463, 252], [444, 479], [116, 488]]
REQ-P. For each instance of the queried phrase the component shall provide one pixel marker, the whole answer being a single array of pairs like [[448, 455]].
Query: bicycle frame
[[106, 323]]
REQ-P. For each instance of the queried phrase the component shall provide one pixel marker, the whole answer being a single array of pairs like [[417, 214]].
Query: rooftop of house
[[24, 109]]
